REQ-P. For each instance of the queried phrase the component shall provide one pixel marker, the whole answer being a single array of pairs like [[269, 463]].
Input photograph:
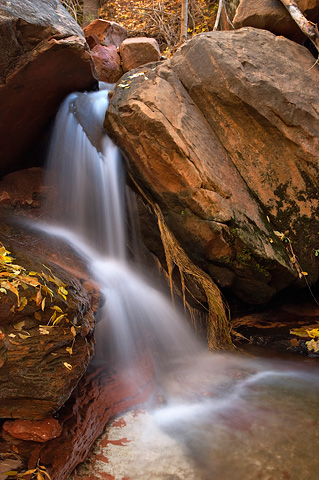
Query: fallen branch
[[219, 11], [307, 27]]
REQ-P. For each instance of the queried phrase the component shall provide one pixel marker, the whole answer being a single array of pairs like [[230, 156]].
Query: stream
[[216, 415]]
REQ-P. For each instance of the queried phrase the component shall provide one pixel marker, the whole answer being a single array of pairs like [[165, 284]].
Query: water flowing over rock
[[44, 57], [224, 137], [273, 16]]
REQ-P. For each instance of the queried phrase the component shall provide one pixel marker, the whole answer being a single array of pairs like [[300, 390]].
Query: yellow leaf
[[28, 472], [57, 320], [33, 273], [43, 304], [73, 331], [40, 476], [57, 309], [69, 350], [19, 325], [304, 274], [12, 335], [23, 303], [24, 336], [3, 290], [44, 331], [10, 473], [48, 290], [12, 289], [67, 365]]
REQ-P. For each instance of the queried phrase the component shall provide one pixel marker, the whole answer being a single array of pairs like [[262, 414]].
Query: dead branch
[[307, 27], [219, 11]]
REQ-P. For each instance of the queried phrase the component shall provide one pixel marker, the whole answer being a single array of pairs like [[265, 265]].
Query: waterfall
[[213, 400]]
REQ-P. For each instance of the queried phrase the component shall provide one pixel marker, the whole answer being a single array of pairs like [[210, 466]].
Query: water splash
[[215, 403]]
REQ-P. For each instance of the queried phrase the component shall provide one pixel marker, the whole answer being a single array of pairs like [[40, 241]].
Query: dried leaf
[[24, 335], [10, 473], [63, 292], [69, 350], [38, 297], [47, 290], [19, 325], [37, 316], [40, 476], [12, 289], [23, 303], [44, 331], [28, 472], [67, 365], [3, 290], [43, 304], [59, 318], [56, 308], [33, 273], [12, 335], [73, 331]]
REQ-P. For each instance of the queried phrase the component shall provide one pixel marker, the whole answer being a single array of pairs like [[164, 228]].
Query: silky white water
[[235, 417]]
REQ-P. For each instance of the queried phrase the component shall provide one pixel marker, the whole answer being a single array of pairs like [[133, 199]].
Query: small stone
[[34, 430], [138, 51]]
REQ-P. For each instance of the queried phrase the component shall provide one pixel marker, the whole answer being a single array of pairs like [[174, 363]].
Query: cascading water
[[236, 418]]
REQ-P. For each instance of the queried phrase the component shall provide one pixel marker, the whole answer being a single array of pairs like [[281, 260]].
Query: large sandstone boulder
[[43, 57], [273, 16], [224, 137]]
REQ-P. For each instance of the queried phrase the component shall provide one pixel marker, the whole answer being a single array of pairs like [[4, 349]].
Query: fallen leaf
[[44, 331], [19, 325], [67, 365]]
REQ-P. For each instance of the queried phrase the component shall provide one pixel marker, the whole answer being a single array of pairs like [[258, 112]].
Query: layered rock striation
[[224, 137]]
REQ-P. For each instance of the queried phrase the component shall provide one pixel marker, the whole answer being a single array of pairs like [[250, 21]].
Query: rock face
[[224, 137], [46, 323], [138, 51], [273, 16], [107, 63], [107, 33], [44, 57]]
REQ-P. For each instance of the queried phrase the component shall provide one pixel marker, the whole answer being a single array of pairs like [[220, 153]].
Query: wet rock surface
[[44, 57], [46, 322], [102, 393], [235, 171]]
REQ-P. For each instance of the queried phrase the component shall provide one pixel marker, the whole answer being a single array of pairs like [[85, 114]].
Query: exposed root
[[217, 324]]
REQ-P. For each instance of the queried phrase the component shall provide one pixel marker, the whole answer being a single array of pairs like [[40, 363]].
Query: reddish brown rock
[[138, 51], [36, 431], [107, 63], [40, 364], [23, 189], [107, 33], [102, 393], [227, 145], [44, 57], [273, 16]]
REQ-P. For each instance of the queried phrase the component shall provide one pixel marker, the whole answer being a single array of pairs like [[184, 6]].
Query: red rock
[[237, 162], [39, 372], [273, 16], [107, 32], [138, 51], [36, 431], [43, 57], [107, 63]]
